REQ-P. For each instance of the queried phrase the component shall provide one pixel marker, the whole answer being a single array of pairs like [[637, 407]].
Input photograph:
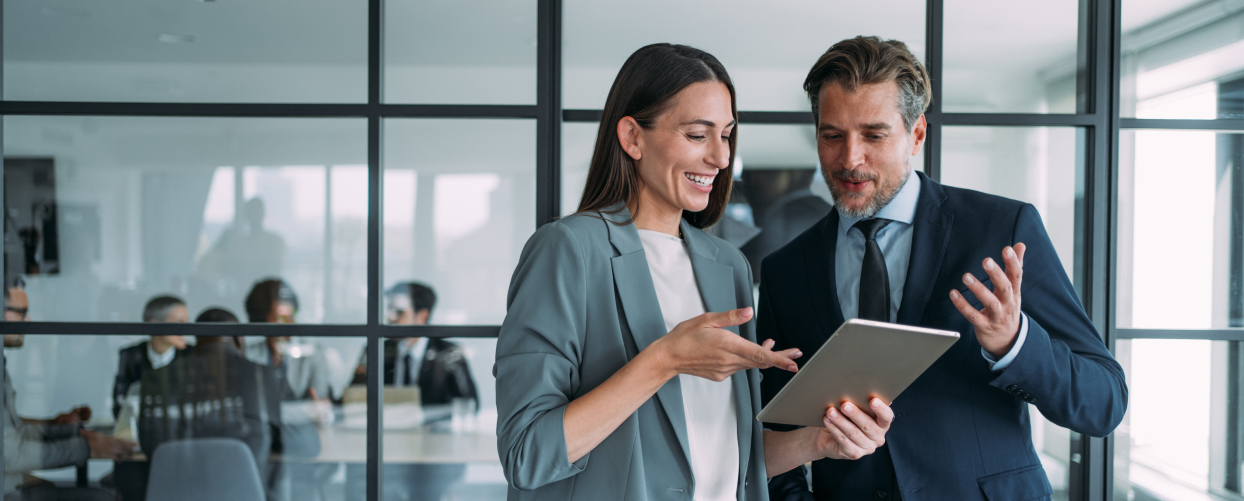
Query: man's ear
[[421, 316], [628, 137], [920, 131]]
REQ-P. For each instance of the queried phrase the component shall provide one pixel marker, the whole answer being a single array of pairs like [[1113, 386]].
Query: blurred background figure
[[37, 444], [305, 391], [247, 252], [439, 369], [217, 315], [153, 354]]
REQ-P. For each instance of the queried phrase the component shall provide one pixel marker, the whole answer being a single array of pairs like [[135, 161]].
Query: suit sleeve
[[538, 355], [1064, 368]]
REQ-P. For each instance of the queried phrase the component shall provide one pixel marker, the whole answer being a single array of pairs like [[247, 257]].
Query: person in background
[[439, 369], [34, 444], [304, 377], [217, 315], [153, 354]]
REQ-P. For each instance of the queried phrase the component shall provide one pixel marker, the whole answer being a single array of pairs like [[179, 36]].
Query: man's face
[[865, 149], [284, 313], [179, 314], [402, 311], [17, 306]]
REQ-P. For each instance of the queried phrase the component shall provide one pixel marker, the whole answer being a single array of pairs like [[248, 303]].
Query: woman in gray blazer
[[629, 299]]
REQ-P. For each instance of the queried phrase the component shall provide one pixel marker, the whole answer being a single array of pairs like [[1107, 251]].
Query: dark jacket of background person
[[961, 431], [33, 446], [228, 396], [581, 305], [133, 363], [443, 376]]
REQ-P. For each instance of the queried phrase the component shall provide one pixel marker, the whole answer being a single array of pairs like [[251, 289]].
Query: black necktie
[[874, 280], [408, 362]]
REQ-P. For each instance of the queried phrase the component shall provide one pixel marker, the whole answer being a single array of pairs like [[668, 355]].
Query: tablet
[[863, 359]]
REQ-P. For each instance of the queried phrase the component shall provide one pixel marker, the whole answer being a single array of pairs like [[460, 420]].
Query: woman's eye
[[694, 137]]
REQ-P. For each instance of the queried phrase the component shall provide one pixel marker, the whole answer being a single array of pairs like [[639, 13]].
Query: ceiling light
[[175, 38]]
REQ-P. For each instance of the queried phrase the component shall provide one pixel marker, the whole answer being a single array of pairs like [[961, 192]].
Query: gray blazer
[[582, 304]]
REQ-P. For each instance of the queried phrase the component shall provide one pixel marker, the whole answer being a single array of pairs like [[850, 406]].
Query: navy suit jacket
[[961, 431]]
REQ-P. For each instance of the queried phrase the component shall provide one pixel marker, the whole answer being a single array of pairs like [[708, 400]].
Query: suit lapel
[[930, 237], [716, 283], [633, 281], [822, 282]]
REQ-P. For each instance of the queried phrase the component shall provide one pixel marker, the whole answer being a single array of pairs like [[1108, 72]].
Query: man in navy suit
[[902, 248]]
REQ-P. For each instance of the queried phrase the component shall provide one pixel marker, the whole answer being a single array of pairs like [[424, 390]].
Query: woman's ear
[[628, 136]]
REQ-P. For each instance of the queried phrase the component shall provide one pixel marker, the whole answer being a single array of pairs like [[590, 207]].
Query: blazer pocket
[[944, 307], [1019, 484]]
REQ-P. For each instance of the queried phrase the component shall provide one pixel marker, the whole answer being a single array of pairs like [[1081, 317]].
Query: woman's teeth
[[700, 180]]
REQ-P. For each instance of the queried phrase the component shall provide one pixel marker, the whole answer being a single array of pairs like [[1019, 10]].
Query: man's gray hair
[[159, 308], [869, 60]]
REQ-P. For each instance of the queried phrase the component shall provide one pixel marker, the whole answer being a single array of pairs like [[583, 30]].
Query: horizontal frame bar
[[268, 330], [1225, 125], [747, 117], [268, 110], [1019, 119], [1187, 334]]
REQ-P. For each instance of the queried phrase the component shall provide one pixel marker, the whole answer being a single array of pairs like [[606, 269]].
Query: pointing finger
[[727, 318]]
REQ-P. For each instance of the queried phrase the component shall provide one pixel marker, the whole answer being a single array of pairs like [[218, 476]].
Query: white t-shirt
[[711, 408]]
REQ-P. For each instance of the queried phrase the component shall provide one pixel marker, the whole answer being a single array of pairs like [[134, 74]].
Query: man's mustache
[[854, 176]]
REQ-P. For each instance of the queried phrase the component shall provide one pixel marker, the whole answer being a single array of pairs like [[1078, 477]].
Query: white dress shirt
[[711, 408]]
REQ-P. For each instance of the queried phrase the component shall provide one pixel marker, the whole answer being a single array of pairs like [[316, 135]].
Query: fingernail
[[969, 279], [876, 403], [1010, 252], [798, 354], [989, 264], [833, 413], [954, 294], [847, 408]]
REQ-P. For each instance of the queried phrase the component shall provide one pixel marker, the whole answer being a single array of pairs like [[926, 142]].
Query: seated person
[[32, 444], [439, 368], [147, 355], [273, 301]]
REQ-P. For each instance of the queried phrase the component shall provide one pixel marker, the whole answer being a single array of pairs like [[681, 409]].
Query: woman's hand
[[701, 347], [852, 433]]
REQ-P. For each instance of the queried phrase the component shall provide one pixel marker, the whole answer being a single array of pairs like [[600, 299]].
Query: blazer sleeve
[[538, 355], [1064, 367]]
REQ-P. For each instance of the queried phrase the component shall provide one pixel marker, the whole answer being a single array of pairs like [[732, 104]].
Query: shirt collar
[[160, 360], [901, 209]]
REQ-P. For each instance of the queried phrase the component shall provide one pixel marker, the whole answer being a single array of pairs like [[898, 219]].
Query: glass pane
[[1181, 59], [1201, 460], [105, 213], [473, 52], [1010, 57], [778, 191], [767, 47], [208, 51], [457, 214], [440, 421], [1192, 218], [1044, 167], [279, 420]]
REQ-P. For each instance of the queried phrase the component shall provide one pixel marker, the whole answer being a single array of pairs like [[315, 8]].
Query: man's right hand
[[106, 447], [700, 346]]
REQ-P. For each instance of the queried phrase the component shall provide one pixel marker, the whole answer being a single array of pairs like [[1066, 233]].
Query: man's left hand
[[78, 415], [997, 324]]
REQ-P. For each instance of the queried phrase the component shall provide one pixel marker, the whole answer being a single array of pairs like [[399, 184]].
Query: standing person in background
[[627, 361], [439, 369], [153, 354], [38, 444]]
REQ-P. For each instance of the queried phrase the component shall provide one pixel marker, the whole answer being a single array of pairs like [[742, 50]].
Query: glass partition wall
[[376, 156]]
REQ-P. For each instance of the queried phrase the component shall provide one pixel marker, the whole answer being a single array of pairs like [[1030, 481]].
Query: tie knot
[[870, 227]]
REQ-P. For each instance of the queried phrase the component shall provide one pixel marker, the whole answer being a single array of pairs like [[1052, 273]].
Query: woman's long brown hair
[[645, 87]]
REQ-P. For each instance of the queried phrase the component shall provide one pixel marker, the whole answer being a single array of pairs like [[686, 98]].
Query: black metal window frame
[[1097, 114]]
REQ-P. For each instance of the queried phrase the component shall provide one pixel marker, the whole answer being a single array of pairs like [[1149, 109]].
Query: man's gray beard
[[885, 193]]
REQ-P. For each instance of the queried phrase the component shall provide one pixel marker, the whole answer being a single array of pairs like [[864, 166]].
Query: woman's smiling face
[[679, 158]]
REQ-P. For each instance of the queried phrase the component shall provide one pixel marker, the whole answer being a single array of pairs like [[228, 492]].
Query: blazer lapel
[[716, 283], [930, 237], [822, 282], [633, 282]]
